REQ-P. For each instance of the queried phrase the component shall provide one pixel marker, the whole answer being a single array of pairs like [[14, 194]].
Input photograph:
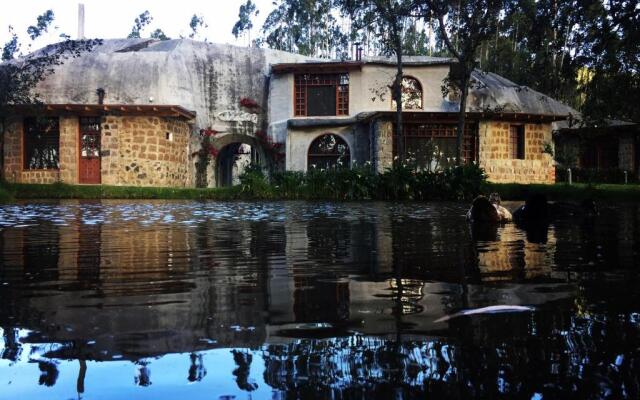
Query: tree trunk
[[397, 86], [461, 115]]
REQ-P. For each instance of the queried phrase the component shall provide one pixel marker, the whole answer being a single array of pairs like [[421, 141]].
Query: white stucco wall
[[369, 88], [298, 142], [368, 91]]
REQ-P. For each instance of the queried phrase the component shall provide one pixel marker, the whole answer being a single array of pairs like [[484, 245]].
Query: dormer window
[[411, 94], [321, 94]]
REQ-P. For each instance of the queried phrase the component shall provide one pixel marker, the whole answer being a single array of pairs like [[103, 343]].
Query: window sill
[[320, 116]]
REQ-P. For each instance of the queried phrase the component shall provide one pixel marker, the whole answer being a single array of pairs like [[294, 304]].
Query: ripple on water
[[312, 299]]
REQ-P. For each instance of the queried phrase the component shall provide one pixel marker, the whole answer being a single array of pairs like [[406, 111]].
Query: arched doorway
[[328, 151], [235, 152], [232, 161]]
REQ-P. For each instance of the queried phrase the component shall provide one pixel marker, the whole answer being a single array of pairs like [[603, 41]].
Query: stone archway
[[226, 146]]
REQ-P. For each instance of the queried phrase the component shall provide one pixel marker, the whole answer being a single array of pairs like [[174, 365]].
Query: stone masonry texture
[[135, 151], [494, 157]]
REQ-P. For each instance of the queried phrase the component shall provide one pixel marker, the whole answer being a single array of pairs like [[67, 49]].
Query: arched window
[[411, 94], [329, 151]]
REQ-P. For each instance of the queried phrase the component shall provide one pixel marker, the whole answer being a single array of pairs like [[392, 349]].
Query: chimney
[[80, 21], [358, 51]]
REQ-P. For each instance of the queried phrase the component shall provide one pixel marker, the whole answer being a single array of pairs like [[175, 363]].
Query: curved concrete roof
[[203, 77], [492, 92], [211, 79]]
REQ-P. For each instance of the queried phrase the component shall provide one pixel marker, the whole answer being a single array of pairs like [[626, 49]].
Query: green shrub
[[396, 183], [401, 182], [254, 184], [467, 181], [5, 194], [288, 184]]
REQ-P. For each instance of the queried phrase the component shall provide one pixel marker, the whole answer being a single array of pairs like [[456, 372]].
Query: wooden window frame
[[342, 139], [517, 142], [393, 103], [340, 81], [26, 145], [441, 130]]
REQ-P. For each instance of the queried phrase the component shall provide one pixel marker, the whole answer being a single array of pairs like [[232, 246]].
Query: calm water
[[206, 300]]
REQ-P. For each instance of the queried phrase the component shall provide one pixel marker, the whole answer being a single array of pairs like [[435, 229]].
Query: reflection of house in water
[[513, 257], [117, 286]]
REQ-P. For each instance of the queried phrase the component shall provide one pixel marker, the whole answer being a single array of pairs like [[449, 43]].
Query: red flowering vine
[[207, 149], [249, 103], [208, 132], [272, 148]]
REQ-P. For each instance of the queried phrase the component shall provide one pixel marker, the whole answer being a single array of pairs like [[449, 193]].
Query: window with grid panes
[[41, 143], [516, 142], [433, 145], [321, 94]]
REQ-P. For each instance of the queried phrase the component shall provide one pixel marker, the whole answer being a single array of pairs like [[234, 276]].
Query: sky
[[108, 19]]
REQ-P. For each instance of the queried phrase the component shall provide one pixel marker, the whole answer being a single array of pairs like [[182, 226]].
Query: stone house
[[183, 113], [507, 126], [610, 148]]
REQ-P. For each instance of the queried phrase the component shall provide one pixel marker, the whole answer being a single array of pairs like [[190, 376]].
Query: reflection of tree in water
[[144, 374], [243, 361], [48, 373], [197, 371], [566, 356], [12, 347], [329, 240], [357, 363]]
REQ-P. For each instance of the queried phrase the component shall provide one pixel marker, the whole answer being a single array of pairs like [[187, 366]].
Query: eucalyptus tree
[[305, 27], [159, 34], [195, 24], [20, 74], [387, 19], [607, 38], [463, 26], [139, 24], [244, 24]]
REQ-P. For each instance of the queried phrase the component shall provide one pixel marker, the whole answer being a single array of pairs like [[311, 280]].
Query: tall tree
[[608, 37], [43, 22], [159, 34], [19, 75], [463, 26], [196, 23], [139, 24], [305, 27], [388, 20], [244, 24]]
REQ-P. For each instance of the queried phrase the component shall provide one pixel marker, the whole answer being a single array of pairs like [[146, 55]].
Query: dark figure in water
[[534, 217], [536, 210], [536, 214], [482, 211]]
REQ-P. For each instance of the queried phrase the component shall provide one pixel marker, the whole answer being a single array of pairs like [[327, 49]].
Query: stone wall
[[13, 153], [383, 145], [69, 132], [626, 153], [537, 167], [145, 151]]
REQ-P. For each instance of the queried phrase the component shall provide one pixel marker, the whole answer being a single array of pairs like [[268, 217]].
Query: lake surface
[[209, 300]]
